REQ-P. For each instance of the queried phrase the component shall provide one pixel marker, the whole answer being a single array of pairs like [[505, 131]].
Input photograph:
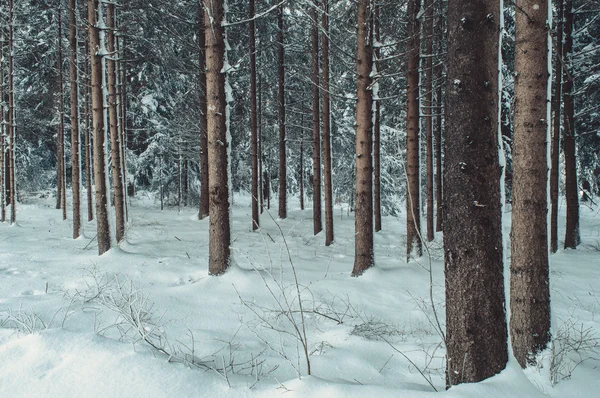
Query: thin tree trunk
[[476, 337], [75, 157], [301, 172], [572, 238], [61, 167], [327, 183], [413, 208], [115, 145], [122, 91], [555, 156], [529, 273], [220, 235], [3, 129], [87, 136], [260, 150], [363, 227], [253, 124], [12, 129], [186, 183], [439, 71], [316, 128], [377, 130], [99, 128], [428, 113], [281, 115], [204, 178]]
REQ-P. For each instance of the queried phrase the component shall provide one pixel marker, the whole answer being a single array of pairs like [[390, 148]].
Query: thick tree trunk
[[12, 128], [61, 197], [88, 134], [115, 144], [99, 129], [439, 71], [377, 132], [572, 238], [281, 116], [413, 208], [529, 274], [555, 157], [253, 126], [316, 128], [363, 227], [220, 235], [428, 112], [74, 102], [204, 178], [327, 183], [476, 337]]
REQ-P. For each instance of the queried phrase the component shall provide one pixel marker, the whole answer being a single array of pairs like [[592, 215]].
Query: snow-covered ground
[[73, 324]]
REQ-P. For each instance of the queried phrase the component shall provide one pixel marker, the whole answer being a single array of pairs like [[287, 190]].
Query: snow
[[44, 273]]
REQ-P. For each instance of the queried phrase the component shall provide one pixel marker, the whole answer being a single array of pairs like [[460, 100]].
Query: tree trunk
[[439, 71], [555, 157], [115, 145], [413, 208], [12, 128], [75, 157], [476, 337], [253, 126], [377, 130], [99, 129], [529, 279], [316, 128], [301, 172], [572, 238], [260, 150], [220, 235], [61, 197], [122, 108], [326, 127], [281, 115], [87, 136], [3, 129], [428, 113], [204, 178], [363, 227]]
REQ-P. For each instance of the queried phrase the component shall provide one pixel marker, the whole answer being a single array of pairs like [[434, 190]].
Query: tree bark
[[3, 130], [476, 337], [281, 116], [74, 102], [363, 227], [572, 238], [253, 126], [529, 274], [439, 74], [326, 127], [377, 132], [12, 129], [428, 113], [87, 135], [61, 197], [316, 128], [115, 145], [555, 156], [204, 178], [220, 235], [260, 150], [413, 208], [99, 128]]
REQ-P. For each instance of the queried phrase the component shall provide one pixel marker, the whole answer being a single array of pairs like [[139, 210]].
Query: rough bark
[[61, 195], [476, 337], [439, 74], [555, 155], [363, 227], [87, 136], [413, 208], [115, 141], [281, 115], [377, 133], [204, 178], [428, 112], [253, 126], [74, 103], [327, 184], [572, 238], [220, 235], [99, 130], [316, 127], [529, 279]]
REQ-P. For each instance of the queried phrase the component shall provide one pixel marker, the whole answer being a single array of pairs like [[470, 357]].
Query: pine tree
[[253, 124], [204, 177], [326, 116], [316, 127], [74, 103], [281, 115]]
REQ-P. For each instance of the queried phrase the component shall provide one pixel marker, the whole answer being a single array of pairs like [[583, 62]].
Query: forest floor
[[73, 324]]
